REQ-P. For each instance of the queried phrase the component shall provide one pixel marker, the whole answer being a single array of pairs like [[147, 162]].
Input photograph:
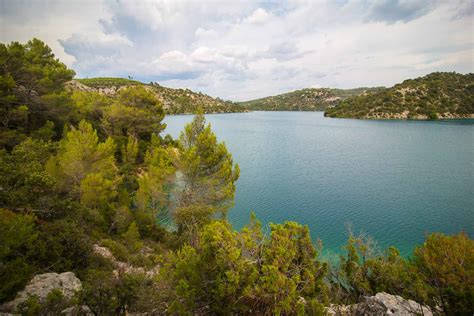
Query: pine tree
[[207, 175], [86, 166], [136, 112], [155, 182], [31, 90]]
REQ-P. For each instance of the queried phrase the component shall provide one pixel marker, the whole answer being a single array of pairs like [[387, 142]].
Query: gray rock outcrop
[[123, 267], [41, 285], [381, 304], [81, 310]]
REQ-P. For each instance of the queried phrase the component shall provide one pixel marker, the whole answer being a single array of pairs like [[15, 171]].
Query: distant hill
[[175, 101], [310, 99], [437, 95]]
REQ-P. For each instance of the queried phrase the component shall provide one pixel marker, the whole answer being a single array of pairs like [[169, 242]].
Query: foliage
[[99, 292], [222, 274], [185, 101], [437, 95], [175, 101], [132, 238], [155, 183], [136, 112], [439, 274], [55, 303], [90, 106], [106, 294], [310, 99], [365, 271], [447, 265], [206, 183], [64, 246], [18, 235], [84, 165], [107, 81], [31, 88], [81, 169], [23, 177]]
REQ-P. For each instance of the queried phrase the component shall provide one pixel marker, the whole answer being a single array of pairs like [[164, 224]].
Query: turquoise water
[[393, 180]]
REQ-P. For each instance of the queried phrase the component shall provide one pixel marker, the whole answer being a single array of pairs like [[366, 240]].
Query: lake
[[393, 180]]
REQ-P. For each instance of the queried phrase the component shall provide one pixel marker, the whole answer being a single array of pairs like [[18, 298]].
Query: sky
[[241, 50]]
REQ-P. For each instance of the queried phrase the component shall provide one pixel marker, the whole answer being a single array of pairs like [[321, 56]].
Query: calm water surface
[[394, 180]]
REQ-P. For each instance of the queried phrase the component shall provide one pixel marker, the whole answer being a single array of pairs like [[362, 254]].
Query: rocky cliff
[[175, 101], [437, 95], [311, 99]]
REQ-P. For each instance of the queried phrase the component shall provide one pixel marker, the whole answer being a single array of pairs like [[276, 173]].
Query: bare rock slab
[[381, 304], [42, 284]]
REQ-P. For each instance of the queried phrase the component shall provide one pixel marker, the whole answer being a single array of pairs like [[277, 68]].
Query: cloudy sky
[[240, 50]]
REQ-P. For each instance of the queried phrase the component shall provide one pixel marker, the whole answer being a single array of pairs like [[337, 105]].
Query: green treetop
[[31, 89], [207, 175], [136, 112], [85, 167]]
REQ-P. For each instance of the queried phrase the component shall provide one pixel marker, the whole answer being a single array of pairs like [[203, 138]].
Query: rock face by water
[[381, 304], [41, 285]]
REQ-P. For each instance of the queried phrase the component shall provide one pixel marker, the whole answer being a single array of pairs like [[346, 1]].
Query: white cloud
[[258, 16], [242, 49]]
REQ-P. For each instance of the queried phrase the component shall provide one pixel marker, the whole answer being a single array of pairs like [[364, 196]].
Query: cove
[[394, 180]]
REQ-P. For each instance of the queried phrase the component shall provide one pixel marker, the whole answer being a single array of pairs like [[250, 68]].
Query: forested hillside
[[89, 184], [174, 101], [437, 95], [311, 99]]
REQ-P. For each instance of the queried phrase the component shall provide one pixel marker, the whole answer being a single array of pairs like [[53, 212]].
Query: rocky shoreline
[[42, 285]]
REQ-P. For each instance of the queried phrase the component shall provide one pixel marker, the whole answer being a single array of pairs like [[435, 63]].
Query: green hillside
[[107, 81], [437, 95], [175, 101], [310, 99]]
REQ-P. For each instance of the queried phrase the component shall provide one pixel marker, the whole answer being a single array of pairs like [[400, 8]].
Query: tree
[[31, 84], [83, 161], [96, 190], [353, 269], [18, 235], [207, 175], [212, 277], [100, 292], [136, 112], [223, 274], [63, 245], [447, 265], [391, 273], [90, 106], [291, 276], [24, 180], [153, 195], [132, 238]]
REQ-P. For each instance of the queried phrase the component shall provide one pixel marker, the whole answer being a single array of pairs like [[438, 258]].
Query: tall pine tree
[[206, 178]]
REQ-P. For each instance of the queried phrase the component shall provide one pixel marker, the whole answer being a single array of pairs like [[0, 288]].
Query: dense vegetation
[[311, 99], [174, 101], [80, 171], [107, 81], [437, 95]]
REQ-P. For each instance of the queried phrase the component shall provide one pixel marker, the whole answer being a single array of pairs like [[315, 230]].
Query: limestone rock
[[104, 252], [392, 305], [341, 310], [82, 310], [42, 284], [123, 267], [381, 304]]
